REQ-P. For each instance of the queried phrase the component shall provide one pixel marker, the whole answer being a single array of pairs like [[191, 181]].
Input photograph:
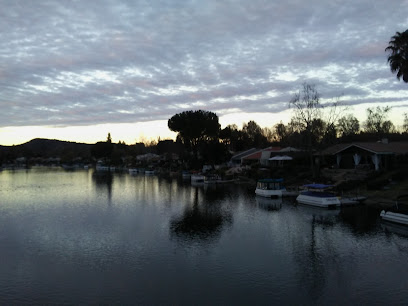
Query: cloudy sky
[[76, 70]]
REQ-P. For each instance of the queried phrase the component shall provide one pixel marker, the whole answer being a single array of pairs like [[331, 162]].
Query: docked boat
[[395, 217], [397, 214], [133, 171], [186, 175], [319, 195], [270, 188], [212, 179], [197, 178], [100, 167]]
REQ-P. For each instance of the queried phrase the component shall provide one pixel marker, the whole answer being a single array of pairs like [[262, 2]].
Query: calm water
[[82, 237]]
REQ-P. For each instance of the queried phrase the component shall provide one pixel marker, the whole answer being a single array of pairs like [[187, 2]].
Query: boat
[[397, 214], [100, 167], [395, 217], [270, 188], [197, 178], [319, 195], [186, 175], [211, 179], [149, 172], [133, 171]]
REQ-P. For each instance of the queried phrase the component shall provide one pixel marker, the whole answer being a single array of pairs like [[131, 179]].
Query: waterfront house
[[367, 155]]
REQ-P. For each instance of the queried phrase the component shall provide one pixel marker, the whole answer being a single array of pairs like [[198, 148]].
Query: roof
[[278, 157], [244, 153], [400, 147], [258, 154]]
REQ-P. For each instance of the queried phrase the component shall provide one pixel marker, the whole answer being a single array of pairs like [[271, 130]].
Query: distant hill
[[46, 148]]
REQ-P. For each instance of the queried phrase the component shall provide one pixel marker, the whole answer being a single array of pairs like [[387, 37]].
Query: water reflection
[[391, 228], [63, 244], [202, 220], [103, 181], [361, 219], [269, 204]]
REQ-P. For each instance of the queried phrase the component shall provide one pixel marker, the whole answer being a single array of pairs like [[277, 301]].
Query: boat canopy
[[318, 186], [271, 180]]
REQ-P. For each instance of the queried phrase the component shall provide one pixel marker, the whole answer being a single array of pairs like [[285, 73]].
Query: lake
[[84, 237]]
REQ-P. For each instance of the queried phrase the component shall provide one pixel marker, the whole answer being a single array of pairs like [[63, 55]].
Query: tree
[[376, 122], [195, 127], [405, 124], [348, 125], [254, 135], [307, 108], [398, 55]]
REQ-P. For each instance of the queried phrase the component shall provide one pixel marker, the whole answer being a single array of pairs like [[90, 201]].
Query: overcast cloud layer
[[88, 62]]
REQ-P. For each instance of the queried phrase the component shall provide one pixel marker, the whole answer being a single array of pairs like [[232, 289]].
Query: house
[[237, 158], [367, 155], [260, 156]]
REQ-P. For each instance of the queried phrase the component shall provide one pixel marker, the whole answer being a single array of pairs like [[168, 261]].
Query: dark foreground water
[[81, 237]]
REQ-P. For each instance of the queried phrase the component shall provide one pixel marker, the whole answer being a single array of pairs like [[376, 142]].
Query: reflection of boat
[[268, 203], [318, 215], [398, 229], [270, 188], [318, 195]]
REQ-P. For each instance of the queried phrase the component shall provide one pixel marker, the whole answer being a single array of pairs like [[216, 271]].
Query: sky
[[78, 70]]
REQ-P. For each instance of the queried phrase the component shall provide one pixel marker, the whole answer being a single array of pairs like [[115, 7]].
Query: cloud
[[94, 62]]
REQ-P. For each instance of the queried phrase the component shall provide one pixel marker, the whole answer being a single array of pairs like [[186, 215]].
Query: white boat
[[102, 168], [211, 179], [318, 195], [133, 171], [395, 217], [270, 188], [197, 178], [186, 175], [149, 172]]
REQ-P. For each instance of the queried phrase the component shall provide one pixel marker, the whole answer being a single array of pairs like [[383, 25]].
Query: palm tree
[[398, 55]]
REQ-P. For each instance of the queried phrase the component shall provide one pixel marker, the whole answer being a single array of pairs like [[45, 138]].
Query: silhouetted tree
[[254, 135], [398, 55], [376, 121], [307, 108], [195, 127], [348, 125], [405, 124]]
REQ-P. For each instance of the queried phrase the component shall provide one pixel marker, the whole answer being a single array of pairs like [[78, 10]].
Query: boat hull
[[325, 202], [267, 193], [394, 217]]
